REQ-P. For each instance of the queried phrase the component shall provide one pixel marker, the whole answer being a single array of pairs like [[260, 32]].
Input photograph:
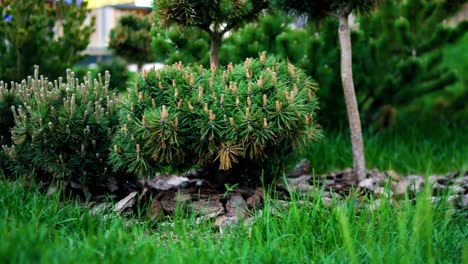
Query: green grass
[[35, 228], [456, 57], [413, 146]]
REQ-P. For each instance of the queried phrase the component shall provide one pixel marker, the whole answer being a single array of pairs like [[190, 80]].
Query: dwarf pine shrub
[[62, 130], [234, 122], [8, 98]]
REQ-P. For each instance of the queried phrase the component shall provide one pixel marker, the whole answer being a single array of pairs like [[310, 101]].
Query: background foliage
[[28, 37], [398, 58], [117, 68], [131, 39]]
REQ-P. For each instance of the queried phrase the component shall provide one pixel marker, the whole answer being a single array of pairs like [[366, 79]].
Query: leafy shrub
[[63, 130], [233, 122]]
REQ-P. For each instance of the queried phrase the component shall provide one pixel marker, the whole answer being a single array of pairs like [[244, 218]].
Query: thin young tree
[[216, 17], [340, 9]]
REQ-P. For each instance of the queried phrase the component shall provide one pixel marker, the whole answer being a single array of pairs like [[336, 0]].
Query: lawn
[[42, 229], [411, 147]]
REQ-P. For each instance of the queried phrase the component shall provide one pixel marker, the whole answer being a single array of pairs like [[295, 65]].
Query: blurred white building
[[107, 13]]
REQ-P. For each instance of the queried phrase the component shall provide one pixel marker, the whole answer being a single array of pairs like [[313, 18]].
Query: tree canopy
[[33, 33], [131, 39], [216, 17]]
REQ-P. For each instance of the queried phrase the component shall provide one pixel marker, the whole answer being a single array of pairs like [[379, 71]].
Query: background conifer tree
[[381, 56], [28, 37], [216, 17], [399, 55], [174, 44], [131, 39]]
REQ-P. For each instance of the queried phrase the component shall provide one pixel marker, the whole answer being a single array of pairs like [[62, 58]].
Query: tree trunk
[[18, 65], [139, 67], [214, 51], [359, 163]]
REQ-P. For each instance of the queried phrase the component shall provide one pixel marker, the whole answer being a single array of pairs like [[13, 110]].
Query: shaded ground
[[160, 197]]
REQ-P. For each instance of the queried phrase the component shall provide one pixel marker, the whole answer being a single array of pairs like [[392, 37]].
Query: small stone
[[255, 201], [183, 197], [375, 174], [207, 207], [282, 204], [249, 221], [462, 181], [440, 180], [303, 188], [438, 187], [176, 181], [196, 182], [125, 203], [168, 202], [159, 185], [236, 205], [330, 176], [168, 183], [303, 167], [457, 189], [464, 202], [301, 179], [327, 201], [392, 175], [451, 199], [410, 183], [224, 221], [155, 210], [370, 184], [346, 175]]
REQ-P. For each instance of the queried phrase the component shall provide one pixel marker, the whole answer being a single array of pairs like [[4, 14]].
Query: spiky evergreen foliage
[[174, 44], [8, 99], [212, 16], [318, 9], [271, 33], [117, 68], [51, 35], [63, 129], [131, 39], [390, 78], [399, 53], [242, 119], [119, 76], [379, 49]]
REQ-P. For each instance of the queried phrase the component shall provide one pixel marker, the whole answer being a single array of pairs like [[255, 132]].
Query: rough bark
[[359, 164], [214, 50]]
